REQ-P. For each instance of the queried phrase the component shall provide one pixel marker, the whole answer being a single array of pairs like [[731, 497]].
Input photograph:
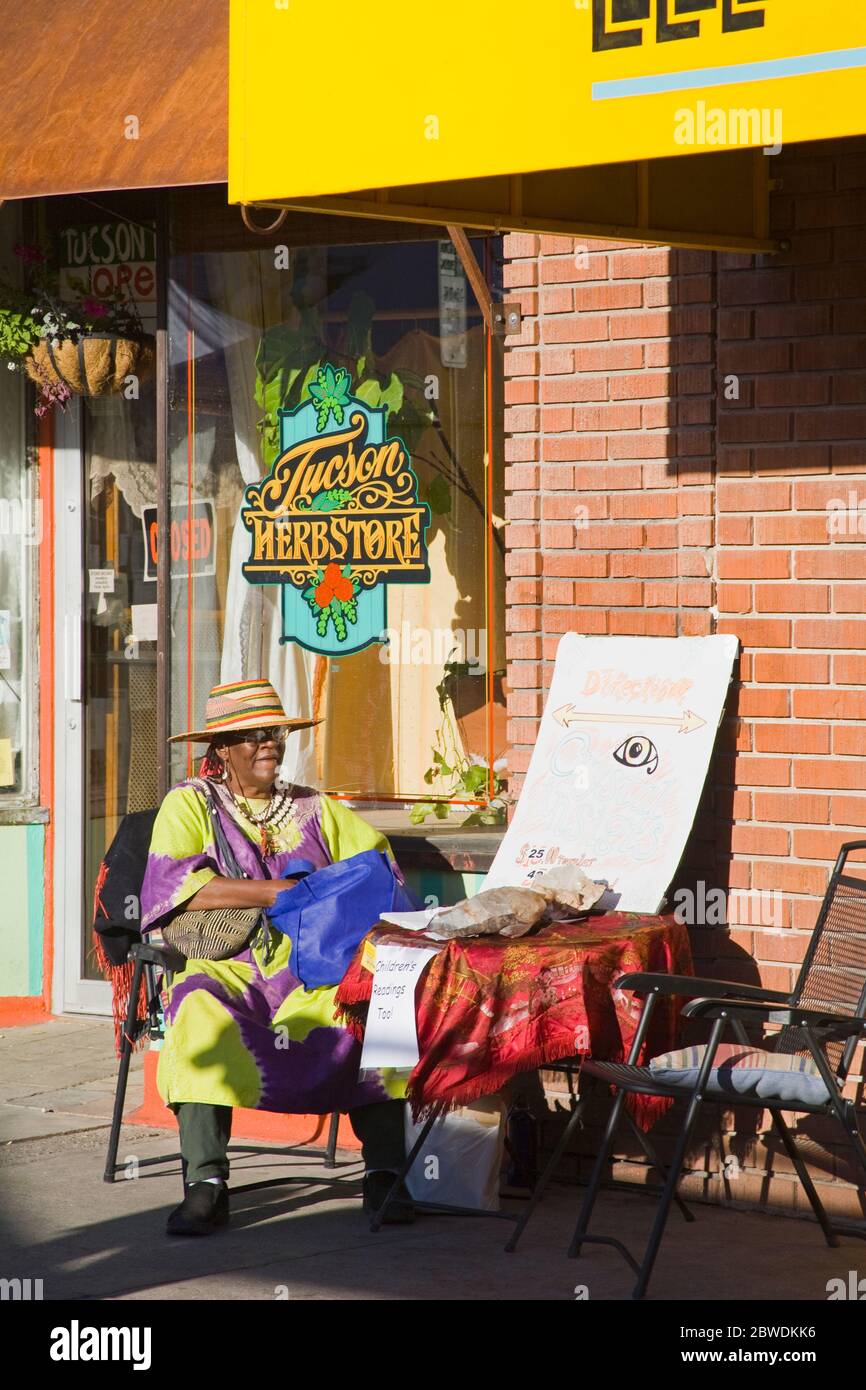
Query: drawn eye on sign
[[336, 520], [638, 751]]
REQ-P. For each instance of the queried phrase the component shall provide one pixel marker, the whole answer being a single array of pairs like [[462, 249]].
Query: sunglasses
[[275, 735]]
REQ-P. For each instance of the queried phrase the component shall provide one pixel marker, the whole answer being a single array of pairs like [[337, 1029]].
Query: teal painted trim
[[35, 907], [446, 888]]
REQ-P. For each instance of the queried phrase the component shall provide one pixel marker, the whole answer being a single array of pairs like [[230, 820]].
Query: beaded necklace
[[280, 809]]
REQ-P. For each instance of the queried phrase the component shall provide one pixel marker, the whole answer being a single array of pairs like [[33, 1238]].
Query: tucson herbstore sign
[[336, 520]]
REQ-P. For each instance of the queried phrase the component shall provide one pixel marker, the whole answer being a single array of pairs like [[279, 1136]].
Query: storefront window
[[272, 350], [21, 531]]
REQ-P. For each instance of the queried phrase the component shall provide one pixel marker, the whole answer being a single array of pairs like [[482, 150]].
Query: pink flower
[[94, 307], [29, 254]]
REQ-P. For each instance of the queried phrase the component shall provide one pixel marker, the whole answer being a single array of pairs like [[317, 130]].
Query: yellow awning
[[563, 115]]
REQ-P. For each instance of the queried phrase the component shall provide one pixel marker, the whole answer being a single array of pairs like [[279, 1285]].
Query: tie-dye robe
[[244, 1031]]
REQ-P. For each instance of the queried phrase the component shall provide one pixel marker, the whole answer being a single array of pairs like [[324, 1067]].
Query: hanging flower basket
[[93, 364]]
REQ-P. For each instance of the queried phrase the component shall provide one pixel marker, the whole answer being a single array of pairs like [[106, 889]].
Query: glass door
[[106, 654]]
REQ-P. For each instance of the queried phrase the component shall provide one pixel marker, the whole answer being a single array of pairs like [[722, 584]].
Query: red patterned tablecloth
[[489, 1008]]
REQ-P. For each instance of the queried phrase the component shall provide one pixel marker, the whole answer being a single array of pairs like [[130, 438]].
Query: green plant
[[471, 780], [38, 313]]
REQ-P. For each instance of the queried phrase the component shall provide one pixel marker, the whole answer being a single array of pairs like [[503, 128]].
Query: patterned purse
[[216, 933]]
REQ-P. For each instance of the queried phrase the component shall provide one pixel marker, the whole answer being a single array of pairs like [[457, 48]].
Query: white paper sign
[[391, 1036], [620, 762], [145, 622], [102, 581]]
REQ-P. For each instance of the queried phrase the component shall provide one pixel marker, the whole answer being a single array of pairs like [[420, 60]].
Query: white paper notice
[[619, 763], [391, 1037], [144, 622]]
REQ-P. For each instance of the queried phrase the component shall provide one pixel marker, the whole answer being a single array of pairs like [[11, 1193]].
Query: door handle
[[72, 656]]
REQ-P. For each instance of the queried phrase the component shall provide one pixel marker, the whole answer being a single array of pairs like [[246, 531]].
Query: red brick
[[557, 591], [523, 591], [696, 533], [588, 298], [759, 632], [524, 649], [579, 328], [521, 391], [655, 324], [830, 632], [649, 505], [557, 300], [576, 566], [849, 670], [609, 477], [577, 389], [640, 446], [790, 878], [574, 448], [848, 810], [522, 562], [607, 357], [795, 389], [522, 506], [522, 477], [792, 668], [557, 361], [596, 418], [754, 564], [792, 737], [830, 773], [642, 624], [640, 263], [791, 530], [611, 537], [734, 598], [832, 564], [762, 704], [849, 598], [831, 424], [793, 810], [753, 839], [829, 704], [792, 598], [762, 772], [640, 386], [757, 495], [849, 740], [734, 530], [614, 594], [821, 844]]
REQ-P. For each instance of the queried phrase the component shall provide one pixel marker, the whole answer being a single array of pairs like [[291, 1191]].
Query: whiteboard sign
[[619, 764]]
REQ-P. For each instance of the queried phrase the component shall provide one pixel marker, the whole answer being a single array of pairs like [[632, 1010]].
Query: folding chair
[[151, 960], [822, 1018]]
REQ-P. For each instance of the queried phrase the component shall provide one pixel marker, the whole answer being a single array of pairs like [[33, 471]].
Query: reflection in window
[[250, 330]]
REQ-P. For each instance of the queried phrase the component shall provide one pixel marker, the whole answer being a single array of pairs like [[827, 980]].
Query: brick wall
[[703, 410]]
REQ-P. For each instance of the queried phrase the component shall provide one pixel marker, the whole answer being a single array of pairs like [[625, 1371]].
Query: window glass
[[21, 530], [311, 331]]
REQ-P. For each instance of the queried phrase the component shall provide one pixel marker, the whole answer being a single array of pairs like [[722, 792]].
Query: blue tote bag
[[329, 911]]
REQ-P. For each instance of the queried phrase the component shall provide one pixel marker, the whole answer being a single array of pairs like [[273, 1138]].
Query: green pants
[[205, 1131]]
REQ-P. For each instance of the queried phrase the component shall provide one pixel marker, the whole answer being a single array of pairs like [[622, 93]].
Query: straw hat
[[241, 705]]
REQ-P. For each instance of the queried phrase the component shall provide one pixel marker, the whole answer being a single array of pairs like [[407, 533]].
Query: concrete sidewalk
[[309, 1240]]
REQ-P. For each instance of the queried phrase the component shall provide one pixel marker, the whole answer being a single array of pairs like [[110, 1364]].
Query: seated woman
[[244, 1031]]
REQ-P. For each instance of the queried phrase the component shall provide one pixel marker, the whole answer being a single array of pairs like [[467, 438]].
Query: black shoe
[[400, 1209], [203, 1209]]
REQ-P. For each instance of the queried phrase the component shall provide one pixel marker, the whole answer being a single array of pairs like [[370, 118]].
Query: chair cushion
[[739, 1070]]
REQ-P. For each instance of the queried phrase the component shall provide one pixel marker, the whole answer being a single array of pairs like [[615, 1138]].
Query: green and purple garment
[[244, 1031]]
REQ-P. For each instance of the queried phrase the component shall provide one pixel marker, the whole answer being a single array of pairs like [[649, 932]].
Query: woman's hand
[[238, 892]]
